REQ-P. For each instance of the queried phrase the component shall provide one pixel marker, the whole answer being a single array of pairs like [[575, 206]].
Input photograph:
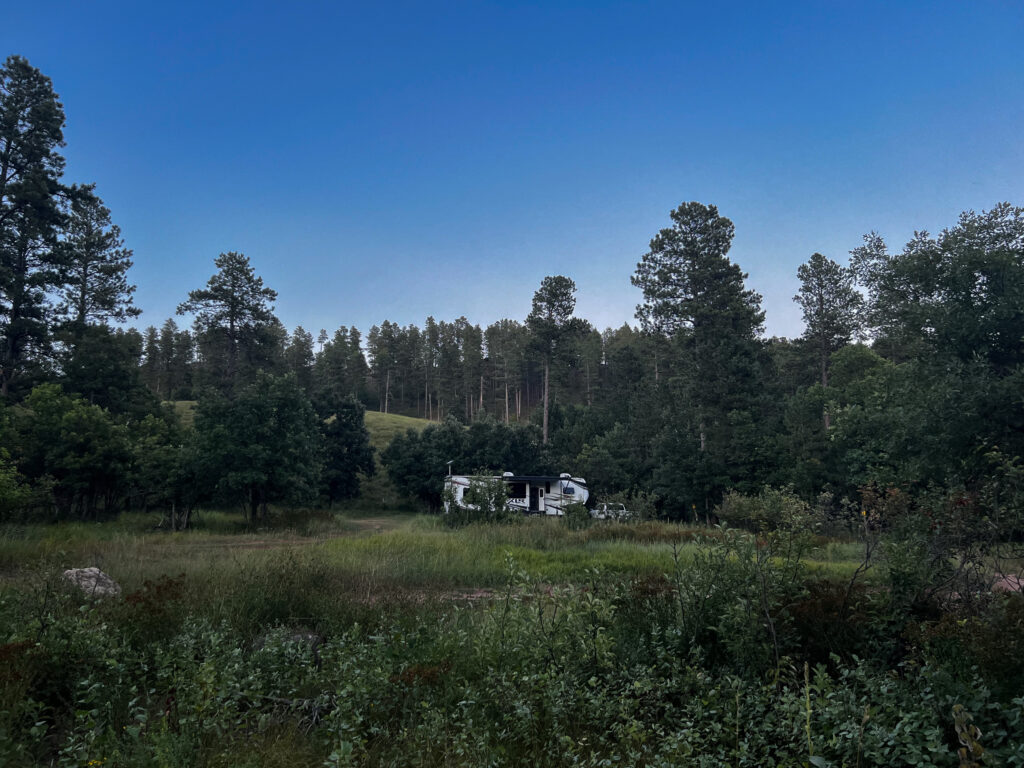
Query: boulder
[[93, 582]]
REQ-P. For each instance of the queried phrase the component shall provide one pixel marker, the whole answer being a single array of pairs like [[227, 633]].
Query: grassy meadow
[[385, 551]]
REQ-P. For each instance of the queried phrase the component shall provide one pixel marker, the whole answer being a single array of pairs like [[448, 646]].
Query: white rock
[[93, 581]]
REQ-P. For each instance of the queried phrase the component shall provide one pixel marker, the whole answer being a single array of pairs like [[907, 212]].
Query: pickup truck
[[611, 511]]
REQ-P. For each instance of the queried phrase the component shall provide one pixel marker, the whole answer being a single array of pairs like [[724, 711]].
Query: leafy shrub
[[766, 511], [484, 501], [577, 516]]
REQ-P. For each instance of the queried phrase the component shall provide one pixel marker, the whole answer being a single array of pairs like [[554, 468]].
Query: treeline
[[444, 369]]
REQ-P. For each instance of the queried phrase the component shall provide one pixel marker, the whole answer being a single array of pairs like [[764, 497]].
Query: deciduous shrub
[[484, 501], [766, 511]]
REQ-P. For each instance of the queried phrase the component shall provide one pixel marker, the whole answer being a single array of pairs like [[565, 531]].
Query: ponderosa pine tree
[[234, 314], [506, 349], [176, 360], [695, 296], [550, 321], [382, 344], [298, 356], [31, 134], [93, 266]]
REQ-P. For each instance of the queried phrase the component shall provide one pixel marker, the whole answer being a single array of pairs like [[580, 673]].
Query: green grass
[[384, 427], [185, 409], [378, 493], [365, 557]]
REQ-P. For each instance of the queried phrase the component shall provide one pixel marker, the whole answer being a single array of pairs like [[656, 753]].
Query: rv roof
[[529, 478]]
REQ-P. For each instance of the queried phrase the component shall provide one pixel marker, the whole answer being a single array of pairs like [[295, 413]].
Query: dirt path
[[354, 527]]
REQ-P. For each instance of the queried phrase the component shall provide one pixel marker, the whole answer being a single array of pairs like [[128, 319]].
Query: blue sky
[[390, 161]]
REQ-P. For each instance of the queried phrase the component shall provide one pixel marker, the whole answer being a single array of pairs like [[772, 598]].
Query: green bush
[[577, 516], [768, 510], [484, 501]]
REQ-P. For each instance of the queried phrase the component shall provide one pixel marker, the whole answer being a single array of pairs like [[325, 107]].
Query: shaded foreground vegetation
[[397, 641]]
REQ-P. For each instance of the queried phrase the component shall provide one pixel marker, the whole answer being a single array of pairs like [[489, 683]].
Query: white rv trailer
[[529, 494]]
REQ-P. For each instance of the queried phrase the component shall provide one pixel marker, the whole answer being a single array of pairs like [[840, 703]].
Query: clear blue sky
[[390, 161]]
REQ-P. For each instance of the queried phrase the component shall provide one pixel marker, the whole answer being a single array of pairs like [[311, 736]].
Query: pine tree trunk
[[547, 371], [824, 385]]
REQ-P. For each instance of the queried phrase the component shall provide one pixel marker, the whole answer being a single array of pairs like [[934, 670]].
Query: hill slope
[[384, 426], [377, 491]]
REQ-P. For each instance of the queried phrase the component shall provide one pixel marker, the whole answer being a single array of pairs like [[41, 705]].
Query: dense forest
[[908, 375]]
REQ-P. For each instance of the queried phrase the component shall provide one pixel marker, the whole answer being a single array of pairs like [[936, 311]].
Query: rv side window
[[517, 490], [569, 490], [547, 487]]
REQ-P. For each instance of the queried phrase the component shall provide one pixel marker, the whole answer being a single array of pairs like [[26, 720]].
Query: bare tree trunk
[[547, 370], [824, 385], [506, 401]]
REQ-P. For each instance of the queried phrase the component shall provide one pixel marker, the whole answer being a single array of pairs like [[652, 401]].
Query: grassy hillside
[[384, 426], [377, 492], [185, 409]]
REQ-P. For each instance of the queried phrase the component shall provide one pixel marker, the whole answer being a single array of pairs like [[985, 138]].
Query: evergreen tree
[[506, 350], [152, 359], [831, 310], [831, 307], [299, 358], [103, 366], [234, 317], [695, 296], [550, 322], [94, 265], [383, 345], [347, 450], [31, 133]]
